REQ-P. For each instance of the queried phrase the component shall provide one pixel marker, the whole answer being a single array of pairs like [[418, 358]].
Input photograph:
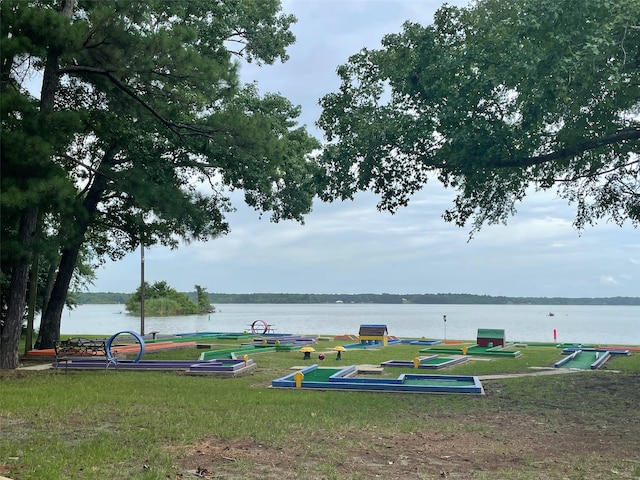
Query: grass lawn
[[163, 425]]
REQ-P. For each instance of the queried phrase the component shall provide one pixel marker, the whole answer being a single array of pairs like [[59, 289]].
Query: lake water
[[573, 323]]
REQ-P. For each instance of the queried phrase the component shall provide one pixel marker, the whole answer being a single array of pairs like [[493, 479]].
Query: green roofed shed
[[490, 337]]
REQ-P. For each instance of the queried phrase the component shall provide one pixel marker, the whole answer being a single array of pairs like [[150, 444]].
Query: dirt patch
[[503, 443], [498, 443]]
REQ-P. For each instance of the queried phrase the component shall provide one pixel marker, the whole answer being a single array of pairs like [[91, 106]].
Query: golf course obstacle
[[112, 359], [370, 334], [261, 327], [490, 337]]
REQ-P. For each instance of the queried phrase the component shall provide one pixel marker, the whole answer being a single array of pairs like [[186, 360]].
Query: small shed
[[490, 337], [373, 333]]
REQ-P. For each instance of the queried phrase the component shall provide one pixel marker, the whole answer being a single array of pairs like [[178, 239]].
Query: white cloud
[[608, 280]]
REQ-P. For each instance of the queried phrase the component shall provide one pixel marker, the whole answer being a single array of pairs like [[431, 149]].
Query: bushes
[[161, 300]]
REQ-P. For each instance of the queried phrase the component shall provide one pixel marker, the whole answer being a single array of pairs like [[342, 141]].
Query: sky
[[351, 247]]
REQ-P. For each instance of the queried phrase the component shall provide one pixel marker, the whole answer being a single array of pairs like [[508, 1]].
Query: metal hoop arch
[[259, 327], [138, 338]]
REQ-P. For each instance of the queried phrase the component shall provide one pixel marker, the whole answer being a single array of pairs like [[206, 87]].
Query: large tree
[[151, 127], [495, 100], [32, 130]]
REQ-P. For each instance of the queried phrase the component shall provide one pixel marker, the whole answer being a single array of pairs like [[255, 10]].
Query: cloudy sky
[[351, 247]]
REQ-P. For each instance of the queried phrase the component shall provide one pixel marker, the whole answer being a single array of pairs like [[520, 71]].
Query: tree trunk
[[33, 289], [31, 309], [10, 336], [48, 284], [46, 294], [52, 313], [50, 322]]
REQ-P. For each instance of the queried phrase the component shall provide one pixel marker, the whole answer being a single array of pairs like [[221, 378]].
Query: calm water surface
[[573, 323]]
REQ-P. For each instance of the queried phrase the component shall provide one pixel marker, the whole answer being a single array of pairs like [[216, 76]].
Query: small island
[[161, 300]]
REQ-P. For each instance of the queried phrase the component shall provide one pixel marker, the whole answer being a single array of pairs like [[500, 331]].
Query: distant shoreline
[[371, 298]]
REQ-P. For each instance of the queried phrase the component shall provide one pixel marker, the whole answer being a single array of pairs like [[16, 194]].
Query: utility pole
[[141, 284]]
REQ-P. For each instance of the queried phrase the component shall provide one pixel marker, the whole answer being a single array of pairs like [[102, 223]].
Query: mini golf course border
[[214, 368], [498, 351], [344, 379], [432, 362]]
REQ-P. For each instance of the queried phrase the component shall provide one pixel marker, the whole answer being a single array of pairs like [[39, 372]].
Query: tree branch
[[177, 128], [625, 134], [595, 174]]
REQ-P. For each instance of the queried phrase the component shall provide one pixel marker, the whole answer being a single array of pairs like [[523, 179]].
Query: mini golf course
[[433, 362], [261, 344], [234, 362], [221, 368], [346, 378], [497, 351], [586, 359]]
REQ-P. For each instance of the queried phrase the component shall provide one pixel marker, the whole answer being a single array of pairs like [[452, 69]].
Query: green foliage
[[153, 99], [153, 128], [495, 100], [101, 297], [204, 304], [424, 298], [161, 300]]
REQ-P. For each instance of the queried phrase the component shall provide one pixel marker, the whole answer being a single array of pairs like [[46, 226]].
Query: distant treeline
[[100, 297], [386, 298]]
